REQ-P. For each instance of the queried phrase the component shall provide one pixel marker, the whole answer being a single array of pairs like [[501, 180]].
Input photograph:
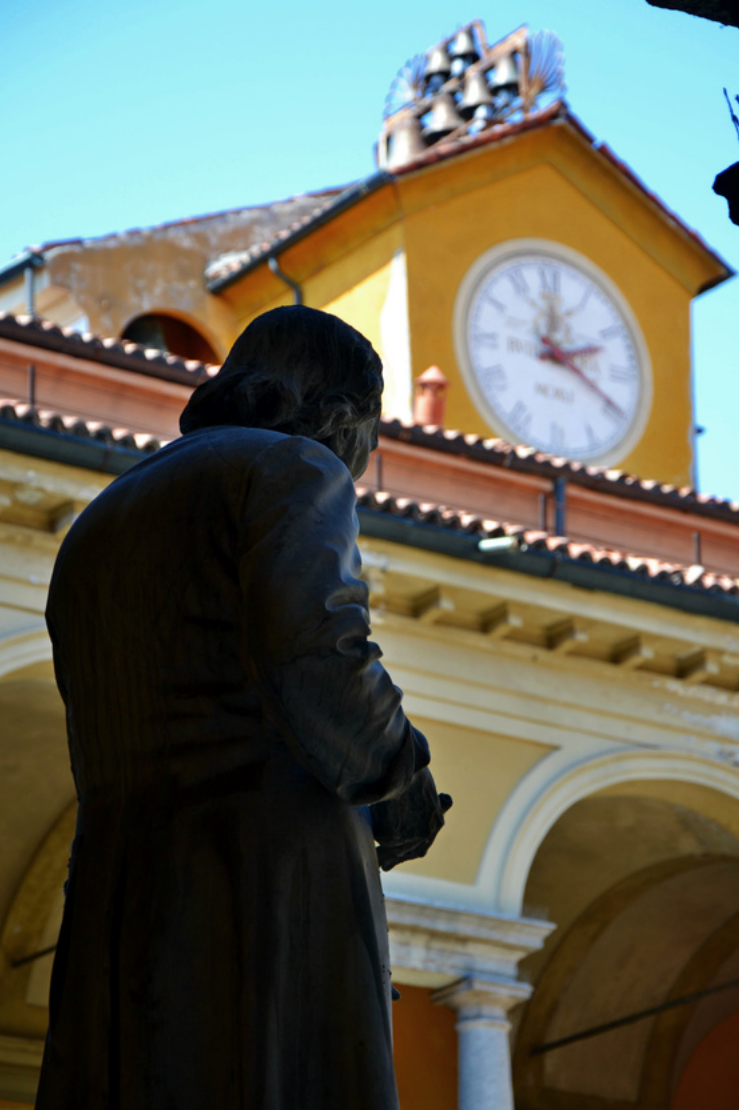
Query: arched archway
[[25, 650], [642, 878], [557, 783], [171, 333], [36, 787], [37, 804]]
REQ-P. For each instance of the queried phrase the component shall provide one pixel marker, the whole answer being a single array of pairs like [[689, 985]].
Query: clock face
[[552, 353]]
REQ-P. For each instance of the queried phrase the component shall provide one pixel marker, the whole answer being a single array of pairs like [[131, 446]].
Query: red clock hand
[[589, 350], [556, 354]]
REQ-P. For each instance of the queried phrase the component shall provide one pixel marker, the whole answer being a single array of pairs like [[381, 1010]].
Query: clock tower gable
[[616, 390]]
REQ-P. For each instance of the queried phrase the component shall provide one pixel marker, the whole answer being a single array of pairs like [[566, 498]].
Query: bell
[[463, 53], [475, 94], [406, 143], [438, 67], [444, 118], [505, 75]]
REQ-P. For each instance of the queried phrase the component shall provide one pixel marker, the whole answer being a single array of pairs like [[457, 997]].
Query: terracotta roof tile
[[559, 547], [115, 352], [487, 450], [427, 514], [183, 222], [13, 412], [498, 452]]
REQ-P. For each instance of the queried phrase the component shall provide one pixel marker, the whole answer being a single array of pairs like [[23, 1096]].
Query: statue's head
[[299, 371]]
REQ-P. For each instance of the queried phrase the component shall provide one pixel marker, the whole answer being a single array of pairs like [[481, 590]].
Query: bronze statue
[[237, 749]]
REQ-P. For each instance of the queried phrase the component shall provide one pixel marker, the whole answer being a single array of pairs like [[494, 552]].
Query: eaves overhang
[[550, 565], [103, 455], [110, 457]]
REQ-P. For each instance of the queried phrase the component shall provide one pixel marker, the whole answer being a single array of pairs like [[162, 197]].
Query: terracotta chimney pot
[[430, 399]]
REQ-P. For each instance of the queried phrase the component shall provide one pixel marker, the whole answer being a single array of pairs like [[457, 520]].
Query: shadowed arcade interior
[[643, 886], [37, 805]]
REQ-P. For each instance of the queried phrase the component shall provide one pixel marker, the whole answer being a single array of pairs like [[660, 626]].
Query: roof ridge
[[181, 221]]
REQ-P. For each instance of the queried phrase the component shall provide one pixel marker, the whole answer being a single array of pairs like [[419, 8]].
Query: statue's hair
[[295, 370]]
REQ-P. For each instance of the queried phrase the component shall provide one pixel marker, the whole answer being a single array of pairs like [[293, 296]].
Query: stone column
[[476, 957], [482, 1006]]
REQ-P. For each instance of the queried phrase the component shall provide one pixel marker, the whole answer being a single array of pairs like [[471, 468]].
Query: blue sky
[[120, 116]]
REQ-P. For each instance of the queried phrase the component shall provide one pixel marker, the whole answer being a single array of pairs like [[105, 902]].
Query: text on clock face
[[554, 356]]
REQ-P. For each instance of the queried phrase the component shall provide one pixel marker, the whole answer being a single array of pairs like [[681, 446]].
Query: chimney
[[430, 399]]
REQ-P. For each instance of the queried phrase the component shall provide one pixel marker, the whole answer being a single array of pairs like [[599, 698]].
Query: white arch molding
[[550, 788], [23, 649], [519, 832]]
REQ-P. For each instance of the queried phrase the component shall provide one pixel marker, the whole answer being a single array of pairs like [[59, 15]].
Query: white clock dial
[[552, 352]]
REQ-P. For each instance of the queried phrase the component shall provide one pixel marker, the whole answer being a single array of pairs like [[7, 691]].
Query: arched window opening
[[170, 334]]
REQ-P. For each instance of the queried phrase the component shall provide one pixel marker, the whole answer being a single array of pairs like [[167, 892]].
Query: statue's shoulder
[[230, 443], [218, 450], [274, 452]]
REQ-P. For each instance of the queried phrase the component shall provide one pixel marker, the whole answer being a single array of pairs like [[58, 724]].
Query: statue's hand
[[405, 827]]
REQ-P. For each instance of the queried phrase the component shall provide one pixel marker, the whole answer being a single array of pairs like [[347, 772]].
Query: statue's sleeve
[[306, 627]]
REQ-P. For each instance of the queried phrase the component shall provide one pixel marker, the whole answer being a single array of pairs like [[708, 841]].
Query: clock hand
[[591, 349], [556, 354]]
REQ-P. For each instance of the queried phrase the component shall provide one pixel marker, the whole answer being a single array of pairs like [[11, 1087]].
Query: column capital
[[483, 999], [446, 945]]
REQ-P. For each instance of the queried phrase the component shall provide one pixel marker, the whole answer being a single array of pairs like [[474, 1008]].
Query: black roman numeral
[[583, 300], [549, 279], [493, 379], [518, 281], [489, 338], [556, 436], [622, 373], [520, 417]]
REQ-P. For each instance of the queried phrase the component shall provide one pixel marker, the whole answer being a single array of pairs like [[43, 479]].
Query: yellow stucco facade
[[419, 235]]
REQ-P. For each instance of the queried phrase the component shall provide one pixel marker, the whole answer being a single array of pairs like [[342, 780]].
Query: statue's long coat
[[224, 942]]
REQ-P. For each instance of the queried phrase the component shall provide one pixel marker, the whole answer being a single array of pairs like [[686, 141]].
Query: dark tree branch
[[732, 113], [722, 11]]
